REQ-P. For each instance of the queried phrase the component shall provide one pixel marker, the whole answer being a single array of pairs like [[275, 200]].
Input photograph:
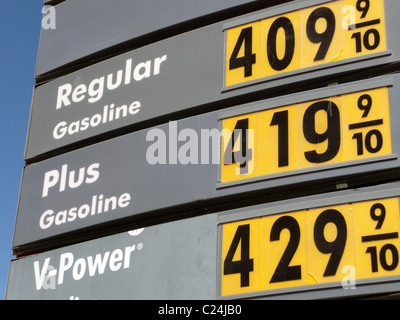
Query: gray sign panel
[[169, 261], [178, 163], [84, 28], [186, 259], [185, 75]]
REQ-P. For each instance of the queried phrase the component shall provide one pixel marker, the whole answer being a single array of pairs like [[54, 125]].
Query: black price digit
[[249, 58], [332, 133], [284, 272], [281, 119], [337, 246], [365, 104], [363, 7], [245, 154], [325, 38], [276, 63], [245, 265], [379, 218]]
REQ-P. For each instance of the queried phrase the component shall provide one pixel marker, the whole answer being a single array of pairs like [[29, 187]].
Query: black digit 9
[[363, 6], [365, 104], [276, 63], [332, 133], [378, 207], [325, 38], [335, 247]]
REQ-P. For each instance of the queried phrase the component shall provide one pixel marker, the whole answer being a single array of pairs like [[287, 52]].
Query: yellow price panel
[[331, 130], [313, 246], [309, 37]]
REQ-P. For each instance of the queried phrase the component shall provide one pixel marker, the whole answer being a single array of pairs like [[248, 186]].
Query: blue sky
[[20, 32]]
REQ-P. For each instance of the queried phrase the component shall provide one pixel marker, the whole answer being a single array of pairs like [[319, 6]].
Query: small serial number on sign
[[305, 38]]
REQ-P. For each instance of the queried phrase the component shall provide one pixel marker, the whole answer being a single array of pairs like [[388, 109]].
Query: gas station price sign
[[311, 246], [296, 41], [336, 130]]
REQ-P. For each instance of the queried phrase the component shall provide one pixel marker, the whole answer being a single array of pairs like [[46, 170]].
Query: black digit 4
[[249, 58], [245, 265]]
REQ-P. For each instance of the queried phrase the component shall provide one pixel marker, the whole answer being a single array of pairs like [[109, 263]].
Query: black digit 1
[[245, 265], [244, 155], [283, 271], [365, 104], [332, 133], [281, 119], [249, 58], [326, 37], [276, 63], [363, 6], [337, 246], [379, 218]]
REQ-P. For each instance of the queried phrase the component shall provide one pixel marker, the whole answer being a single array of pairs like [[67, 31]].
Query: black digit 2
[[326, 37], [332, 133], [276, 63], [249, 58], [245, 265], [337, 246], [283, 271]]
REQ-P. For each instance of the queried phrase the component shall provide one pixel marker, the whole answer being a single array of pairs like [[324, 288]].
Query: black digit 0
[[368, 141], [249, 58], [281, 120], [245, 265], [365, 104], [276, 63], [363, 6], [283, 271], [337, 246], [378, 218], [326, 37], [332, 133]]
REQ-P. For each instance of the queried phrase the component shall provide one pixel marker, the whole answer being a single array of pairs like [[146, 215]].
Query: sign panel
[[333, 130], [187, 254], [94, 26], [184, 76], [150, 172], [185, 161], [169, 261], [300, 39], [338, 240]]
